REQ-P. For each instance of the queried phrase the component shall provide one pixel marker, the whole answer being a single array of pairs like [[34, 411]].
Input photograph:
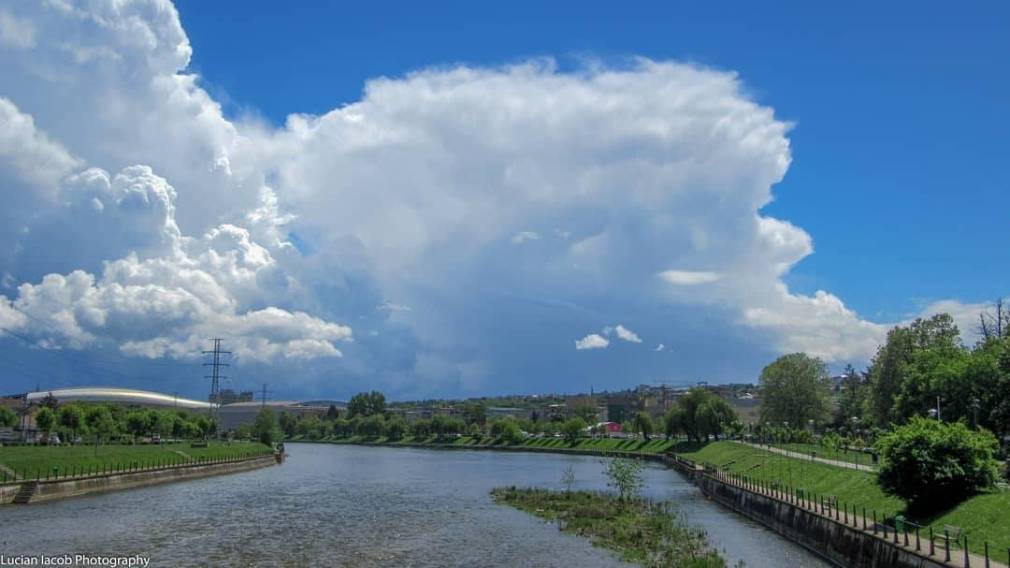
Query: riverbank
[[981, 518], [53, 487], [640, 531]]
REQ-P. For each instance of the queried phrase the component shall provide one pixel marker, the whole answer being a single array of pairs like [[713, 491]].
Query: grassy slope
[[838, 455], [655, 446], [640, 532], [985, 517], [72, 458]]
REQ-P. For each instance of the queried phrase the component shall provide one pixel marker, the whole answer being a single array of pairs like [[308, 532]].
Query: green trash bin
[[899, 523]]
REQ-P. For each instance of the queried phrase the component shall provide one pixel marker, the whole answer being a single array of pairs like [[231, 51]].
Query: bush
[[933, 464]]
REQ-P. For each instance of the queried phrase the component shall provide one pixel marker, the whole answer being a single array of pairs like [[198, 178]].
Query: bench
[[950, 534]]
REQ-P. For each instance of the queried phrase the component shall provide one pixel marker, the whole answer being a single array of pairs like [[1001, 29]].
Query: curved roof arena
[[120, 395]]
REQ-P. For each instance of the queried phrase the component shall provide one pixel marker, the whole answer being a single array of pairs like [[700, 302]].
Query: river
[[333, 505]]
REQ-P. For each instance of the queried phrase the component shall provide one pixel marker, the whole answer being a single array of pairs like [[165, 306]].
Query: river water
[[332, 505]]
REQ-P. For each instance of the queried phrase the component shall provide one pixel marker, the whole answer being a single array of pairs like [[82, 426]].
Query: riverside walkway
[[808, 457]]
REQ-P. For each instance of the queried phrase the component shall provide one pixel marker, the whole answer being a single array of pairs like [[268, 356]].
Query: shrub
[[933, 464]]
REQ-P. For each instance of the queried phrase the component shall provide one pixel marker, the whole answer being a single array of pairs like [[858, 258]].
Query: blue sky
[[456, 199], [900, 112]]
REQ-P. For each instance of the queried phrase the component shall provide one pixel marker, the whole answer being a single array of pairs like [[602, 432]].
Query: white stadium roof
[[124, 396]]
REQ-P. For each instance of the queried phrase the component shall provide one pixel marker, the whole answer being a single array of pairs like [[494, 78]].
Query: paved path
[[807, 457]]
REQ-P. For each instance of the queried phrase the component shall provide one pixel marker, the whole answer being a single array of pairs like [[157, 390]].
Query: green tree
[[8, 418], [395, 428], [136, 423], [794, 390], [100, 423], [45, 419], [475, 413], [506, 431], [367, 404], [933, 464], [266, 429], [332, 413], [853, 399], [673, 422], [889, 366], [624, 475], [289, 424], [715, 417], [71, 417], [642, 424], [573, 429]]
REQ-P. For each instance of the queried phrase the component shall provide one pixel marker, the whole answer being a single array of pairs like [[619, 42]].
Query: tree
[[395, 428], [507, 431], [366, 404], [715, 417], [289, 424], [332, 413], [136, 423], [8, 418], [71, 417], [45, 420], [934, 464], [794, 390], [573, 429], [994, 323], [889, 366], [568, 478], [266, 429], [673, 422], [100, 423], [371, 425], [475, 413], [852, 398], [624, 475], [642, 424], [586, 412]]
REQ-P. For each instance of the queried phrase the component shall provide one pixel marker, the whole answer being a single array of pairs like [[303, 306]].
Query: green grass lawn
[[654, 446], [984, 517], [69, 459]]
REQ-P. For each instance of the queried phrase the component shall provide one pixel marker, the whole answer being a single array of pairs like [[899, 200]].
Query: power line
[[263, 396]]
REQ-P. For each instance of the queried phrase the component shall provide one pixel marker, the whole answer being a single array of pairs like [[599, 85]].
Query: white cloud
[[627, 335], [524, 236], [688, 278], [592, 341], [659, 347], [16, 33], [415, 192]]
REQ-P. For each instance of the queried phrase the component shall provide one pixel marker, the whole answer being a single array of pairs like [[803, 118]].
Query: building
[[228, 396], [231, 416], [497, 412]]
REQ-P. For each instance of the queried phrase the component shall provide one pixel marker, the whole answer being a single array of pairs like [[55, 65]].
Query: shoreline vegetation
[[641, 531]]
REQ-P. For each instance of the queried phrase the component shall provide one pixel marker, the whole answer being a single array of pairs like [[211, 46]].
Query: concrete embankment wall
[[836, 541], [61, 489]]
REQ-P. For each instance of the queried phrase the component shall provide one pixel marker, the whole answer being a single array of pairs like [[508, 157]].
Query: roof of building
[[121, 395]]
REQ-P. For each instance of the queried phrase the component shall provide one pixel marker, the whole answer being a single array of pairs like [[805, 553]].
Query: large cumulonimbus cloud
[[511, 208]]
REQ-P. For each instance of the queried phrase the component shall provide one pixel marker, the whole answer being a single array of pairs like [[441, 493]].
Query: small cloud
[[608, 330], [689, 277], [592, 341], [562, 234], [627, 335], [391, 307], [660, 347], [524, 236]]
